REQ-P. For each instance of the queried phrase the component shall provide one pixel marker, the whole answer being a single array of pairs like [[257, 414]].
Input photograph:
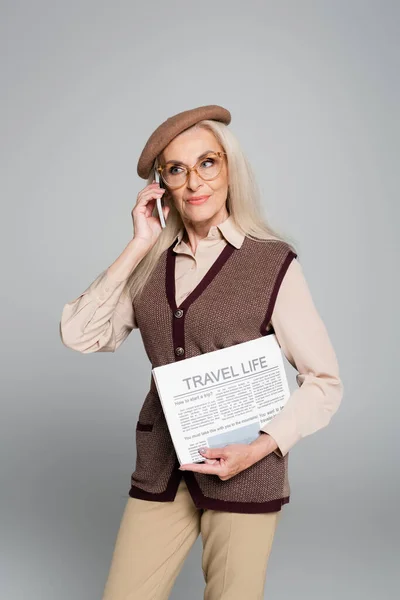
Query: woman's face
[[186, 148]]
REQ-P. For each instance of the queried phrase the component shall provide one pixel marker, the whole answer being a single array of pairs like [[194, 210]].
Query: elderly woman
[[215, 276]]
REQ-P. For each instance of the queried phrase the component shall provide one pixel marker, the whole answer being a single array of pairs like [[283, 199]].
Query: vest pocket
[[144, 426]]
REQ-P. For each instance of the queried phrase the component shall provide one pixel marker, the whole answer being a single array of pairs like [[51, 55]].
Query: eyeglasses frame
[[190, 169]]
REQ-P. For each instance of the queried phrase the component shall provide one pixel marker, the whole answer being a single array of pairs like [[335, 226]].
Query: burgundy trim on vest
[[203, 283], [202, 502], [168, 495], [263, 329], [144, 426], [178, 324]]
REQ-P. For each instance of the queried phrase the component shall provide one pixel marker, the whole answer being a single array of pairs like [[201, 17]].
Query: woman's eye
[[170, 170], [210, 160]]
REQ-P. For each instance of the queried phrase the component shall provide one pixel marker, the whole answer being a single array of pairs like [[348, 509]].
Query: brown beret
[[161, 137]]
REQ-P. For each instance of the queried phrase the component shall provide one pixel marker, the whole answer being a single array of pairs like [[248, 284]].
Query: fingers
[[214, 469], [209, 469], [146, 199], [150, 192], [213, 452]]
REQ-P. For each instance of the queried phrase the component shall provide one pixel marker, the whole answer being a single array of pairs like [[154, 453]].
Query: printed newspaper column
[[222, 397]]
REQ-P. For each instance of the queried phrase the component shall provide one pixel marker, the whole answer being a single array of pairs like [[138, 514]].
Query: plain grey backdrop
[[313, 88]]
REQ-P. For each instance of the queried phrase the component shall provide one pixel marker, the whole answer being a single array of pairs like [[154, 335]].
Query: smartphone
[[159, 201]]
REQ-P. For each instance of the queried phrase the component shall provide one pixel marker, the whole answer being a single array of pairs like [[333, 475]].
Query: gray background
[[313, 88]]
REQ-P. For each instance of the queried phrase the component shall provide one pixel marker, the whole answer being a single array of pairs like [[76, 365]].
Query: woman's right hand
[[146, 227]]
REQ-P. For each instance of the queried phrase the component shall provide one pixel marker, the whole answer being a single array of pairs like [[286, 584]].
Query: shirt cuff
[[283, 435], [277, 450]]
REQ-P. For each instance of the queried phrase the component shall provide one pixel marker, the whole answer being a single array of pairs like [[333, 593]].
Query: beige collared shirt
[[101, 318]]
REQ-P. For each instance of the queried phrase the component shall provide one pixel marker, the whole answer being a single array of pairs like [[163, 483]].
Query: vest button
[[178, 313], [179, 351]]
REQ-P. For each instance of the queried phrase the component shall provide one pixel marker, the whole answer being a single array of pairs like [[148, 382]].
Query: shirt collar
[[226, 229]]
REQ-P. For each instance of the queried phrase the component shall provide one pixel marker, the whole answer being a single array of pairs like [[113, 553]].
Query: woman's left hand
[[232, 459]]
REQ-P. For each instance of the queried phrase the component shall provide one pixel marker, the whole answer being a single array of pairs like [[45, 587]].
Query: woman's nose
[[193, 180]]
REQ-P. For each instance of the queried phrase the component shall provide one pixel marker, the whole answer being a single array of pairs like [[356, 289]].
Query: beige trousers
[[155, 538]]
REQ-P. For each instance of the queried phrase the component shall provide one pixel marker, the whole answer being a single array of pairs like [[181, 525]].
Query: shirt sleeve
[[100, 319], [304, 340]]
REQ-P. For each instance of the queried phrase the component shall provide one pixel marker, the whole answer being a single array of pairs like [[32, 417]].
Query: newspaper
[[222, 397]]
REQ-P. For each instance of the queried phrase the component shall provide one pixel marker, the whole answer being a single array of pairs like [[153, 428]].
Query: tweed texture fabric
[[164, 134], [233, 303]]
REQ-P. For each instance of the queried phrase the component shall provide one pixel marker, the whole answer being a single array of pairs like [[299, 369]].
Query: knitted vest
[[233, 303]]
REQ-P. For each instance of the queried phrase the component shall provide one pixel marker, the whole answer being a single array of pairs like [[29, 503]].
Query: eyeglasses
[[175, 175]]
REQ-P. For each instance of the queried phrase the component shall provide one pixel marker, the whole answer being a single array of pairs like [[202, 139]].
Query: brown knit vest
[[233, 303]]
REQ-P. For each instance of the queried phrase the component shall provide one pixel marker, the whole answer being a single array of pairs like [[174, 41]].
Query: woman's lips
[[198, 200]]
